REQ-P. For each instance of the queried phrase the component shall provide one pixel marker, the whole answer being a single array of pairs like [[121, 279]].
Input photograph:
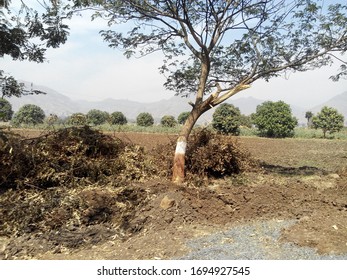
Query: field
[[302, 181]]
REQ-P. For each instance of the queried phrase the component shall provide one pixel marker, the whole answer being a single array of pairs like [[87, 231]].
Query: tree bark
[[178, 172]]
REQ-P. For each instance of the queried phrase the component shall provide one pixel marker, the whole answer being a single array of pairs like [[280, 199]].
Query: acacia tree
[[215, 49], [25, 34]]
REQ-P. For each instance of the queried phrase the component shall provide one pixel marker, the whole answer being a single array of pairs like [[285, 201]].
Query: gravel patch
[[253, 241]]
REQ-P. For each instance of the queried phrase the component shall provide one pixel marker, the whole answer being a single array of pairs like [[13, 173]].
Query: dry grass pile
[[68, 179], [69, 157]]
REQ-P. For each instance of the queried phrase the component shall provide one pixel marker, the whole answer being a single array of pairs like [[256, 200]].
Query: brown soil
[[299, 179]]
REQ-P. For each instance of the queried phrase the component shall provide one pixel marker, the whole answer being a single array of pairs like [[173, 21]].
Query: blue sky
[[86, 68]]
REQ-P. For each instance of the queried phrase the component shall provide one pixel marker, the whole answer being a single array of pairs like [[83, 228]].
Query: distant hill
[[57, 103], [338, 102]]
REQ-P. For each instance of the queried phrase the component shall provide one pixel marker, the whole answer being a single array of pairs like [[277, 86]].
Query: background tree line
[[271, 119]]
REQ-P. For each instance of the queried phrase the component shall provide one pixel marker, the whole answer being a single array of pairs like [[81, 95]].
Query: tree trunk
[[181, 146]]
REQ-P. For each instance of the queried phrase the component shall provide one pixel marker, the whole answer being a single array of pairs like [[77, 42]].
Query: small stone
[[167, 203], [334, 176]]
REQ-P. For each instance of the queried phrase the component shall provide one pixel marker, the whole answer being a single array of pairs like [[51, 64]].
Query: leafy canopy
[[5, 110], [274, 119], [183, 117], [226, 119], [77, 119], [329, 120], [118, 118], [97, 117], [25, 34], [144, 119], [168, 121], [29, 114]]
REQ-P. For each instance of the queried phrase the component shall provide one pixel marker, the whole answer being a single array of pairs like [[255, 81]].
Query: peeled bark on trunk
[[181, 146], [179, 160]]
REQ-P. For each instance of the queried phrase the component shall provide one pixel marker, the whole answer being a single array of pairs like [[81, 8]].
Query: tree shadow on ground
[[287, 170]]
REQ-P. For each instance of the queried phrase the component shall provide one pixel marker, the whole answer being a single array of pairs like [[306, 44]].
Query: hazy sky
[[86, 68]]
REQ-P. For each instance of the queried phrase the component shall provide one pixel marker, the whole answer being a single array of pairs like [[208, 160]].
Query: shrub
[[6, 112], [118, 118], [245, 121], [183, 117], [97, 117], [226, 119], [52, 119], [329, 120], [275, 120], [209, 155], [29, 114], [168, 121], [144, 119], [77, 119]]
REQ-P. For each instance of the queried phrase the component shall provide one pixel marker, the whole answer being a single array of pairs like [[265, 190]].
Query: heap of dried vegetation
[[209, 155], [74, 179], [68, 178]]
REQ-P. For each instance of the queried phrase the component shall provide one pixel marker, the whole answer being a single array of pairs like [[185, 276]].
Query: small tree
[[97, 117], [245, 121], [29, 114], [77, 119], [118, 118], [226, 119], [168, 121], [52, 119], [274, 119], [6, 112], [144, 119], [183, 117], [329, 120], [308, 116]]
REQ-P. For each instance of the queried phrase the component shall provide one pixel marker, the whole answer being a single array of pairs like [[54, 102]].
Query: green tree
[[308, 116], [118, 118], [29, 114], [226, 119], [183, 117], [77, 119], [97, 117], [274, 119], [26, 35], [215, 49], [144, 119], [246, 121], [52, 119], [6, 112], [168, 121], [329, 120]]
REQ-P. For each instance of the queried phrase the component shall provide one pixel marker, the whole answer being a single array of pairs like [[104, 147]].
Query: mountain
[[54, 102], [338, 102]]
